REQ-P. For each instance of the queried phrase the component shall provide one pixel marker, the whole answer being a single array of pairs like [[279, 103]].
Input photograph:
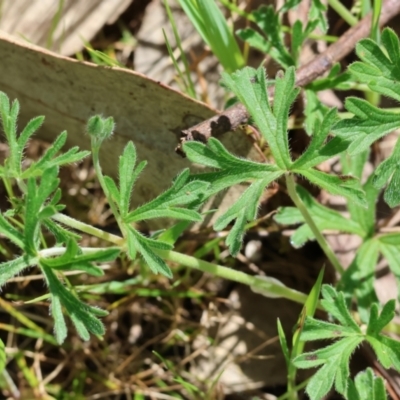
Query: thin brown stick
[[233, 117]]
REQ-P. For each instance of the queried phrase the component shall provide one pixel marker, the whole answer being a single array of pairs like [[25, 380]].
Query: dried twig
[[234, 116]]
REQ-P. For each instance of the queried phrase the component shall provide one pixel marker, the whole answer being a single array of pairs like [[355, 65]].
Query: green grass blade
[[211, 24]]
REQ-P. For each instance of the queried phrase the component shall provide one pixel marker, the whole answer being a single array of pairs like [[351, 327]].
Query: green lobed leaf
[[81, 314], [368, 124], [4, 109], [182, 192], [367, 386], [318, 13], [378, 322], [379, 68], [328, 355], [244, 210], [35, 199], [224, 179], [80, 327], [284, 97], [71, 156], [392, 192], [247, 203], [346, 186], [98, 311], [56, 198], [8, 117], [131, 244], [387, 351], [269, 22], [317, 330], [250, 86], [204, 154], [299, 36], [60, 327], [334, 359], [9, 269], [288, 5], [334, 303], [335, 369], [321, 382], [235, 236], [145, 246], [112, 188], [127, 162], [49, 159], [30, 128], [233, 170], [174, 213]]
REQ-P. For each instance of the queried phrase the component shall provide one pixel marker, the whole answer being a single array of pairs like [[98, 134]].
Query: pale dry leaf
[[149, 113], [79, 21]]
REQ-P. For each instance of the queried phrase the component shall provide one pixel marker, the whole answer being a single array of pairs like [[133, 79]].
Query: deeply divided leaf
[[380, 68], [334, 359], [272, 40], [367, 386], [82, 315], [368, 124], [250, 86], [146, 247]]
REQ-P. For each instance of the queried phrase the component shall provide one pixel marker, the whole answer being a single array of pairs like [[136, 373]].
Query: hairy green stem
[[89, 229], [291, 187], [59, 251], [269, 287]]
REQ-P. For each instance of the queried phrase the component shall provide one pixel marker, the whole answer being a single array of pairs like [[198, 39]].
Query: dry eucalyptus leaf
[[150, 114], [79, 21]]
